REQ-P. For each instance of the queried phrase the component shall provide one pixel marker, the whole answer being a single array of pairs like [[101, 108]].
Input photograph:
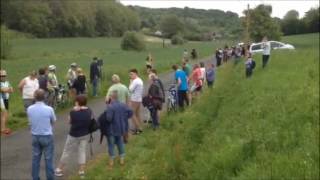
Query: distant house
[[158, 33]]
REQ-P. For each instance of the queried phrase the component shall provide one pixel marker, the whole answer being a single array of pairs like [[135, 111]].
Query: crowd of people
[[122, 104]]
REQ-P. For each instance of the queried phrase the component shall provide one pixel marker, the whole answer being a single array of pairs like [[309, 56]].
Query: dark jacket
[[94, 70], [114, 121], [157, 93]]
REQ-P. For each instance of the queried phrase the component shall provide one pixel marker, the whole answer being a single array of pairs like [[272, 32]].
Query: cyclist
[[52, 84]]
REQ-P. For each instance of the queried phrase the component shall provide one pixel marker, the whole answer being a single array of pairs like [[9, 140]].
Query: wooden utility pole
[[247, 26]]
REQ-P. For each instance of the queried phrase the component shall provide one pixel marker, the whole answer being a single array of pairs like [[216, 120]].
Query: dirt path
[[16, 156]]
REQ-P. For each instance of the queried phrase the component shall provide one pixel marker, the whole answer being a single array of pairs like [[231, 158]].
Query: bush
[[132, 41], [177, 40]]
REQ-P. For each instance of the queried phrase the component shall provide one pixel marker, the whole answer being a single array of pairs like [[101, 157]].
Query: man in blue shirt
[[41, 118], [182, 81]]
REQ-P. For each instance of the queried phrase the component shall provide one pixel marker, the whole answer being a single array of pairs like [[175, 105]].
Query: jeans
[[265, 59], [154, 117], [248, 72], [182, 96], [95, 86], [210, 83], [42, 144], [118, 141]]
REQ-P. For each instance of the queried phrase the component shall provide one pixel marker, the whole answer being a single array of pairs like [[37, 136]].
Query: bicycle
[[172, 100], [58, 98]]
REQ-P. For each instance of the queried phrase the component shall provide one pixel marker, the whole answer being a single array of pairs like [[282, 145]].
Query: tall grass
[[265, 127]]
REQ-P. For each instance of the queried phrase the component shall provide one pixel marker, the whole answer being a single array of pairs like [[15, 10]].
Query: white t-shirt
[[203, 73], [136, 90], [4, 84], [29, 88], [266, 48]]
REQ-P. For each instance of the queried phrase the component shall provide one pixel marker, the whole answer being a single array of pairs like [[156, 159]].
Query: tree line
[[60, 18]]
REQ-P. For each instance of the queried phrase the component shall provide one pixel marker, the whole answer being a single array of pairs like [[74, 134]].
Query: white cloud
[[279, 7]]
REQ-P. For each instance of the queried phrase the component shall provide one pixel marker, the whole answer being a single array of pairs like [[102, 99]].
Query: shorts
[[4, 104], [149, 66], [195, 87]]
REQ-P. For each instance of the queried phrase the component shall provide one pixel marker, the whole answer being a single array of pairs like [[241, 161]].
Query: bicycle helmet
[[52, 67], [73, 64]]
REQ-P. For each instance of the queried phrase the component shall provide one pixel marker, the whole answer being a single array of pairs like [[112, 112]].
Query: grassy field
[[265, 127], [31, 54]]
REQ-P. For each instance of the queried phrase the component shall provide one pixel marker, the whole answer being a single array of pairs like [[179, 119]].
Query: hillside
[[266, 127], [226, 24]]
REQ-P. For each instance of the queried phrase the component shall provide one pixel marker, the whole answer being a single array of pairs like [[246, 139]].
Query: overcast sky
[[279, 8]]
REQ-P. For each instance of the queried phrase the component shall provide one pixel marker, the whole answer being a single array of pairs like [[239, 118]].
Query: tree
[[311, 20], [291, 23], [261, 24], [170, 25]]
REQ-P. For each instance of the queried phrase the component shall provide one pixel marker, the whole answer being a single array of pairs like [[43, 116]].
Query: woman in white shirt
[[136, 92], [266, 51], [27, 87]]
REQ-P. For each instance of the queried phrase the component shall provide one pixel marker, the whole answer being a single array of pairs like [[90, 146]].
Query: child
[[250, 65], [210, 75]]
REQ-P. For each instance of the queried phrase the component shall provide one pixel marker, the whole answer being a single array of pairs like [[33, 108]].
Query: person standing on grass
[[80, 119], [27, 87], [149, 63], [5, 90], [80, 83], [117, 115], [250, 65], [266, 51], [122, 90], [41, 119], [182, 83], [94, 76], [210, 75], [157, 96], [136, 93]]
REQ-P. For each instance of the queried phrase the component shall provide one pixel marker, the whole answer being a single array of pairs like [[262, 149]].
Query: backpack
[[253, 64]]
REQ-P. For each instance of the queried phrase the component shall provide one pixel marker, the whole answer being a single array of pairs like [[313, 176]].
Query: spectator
[[194, 54], [197, 79], [210, 75], [27, 87], [71, 78], [80, 119], [185, 54], [5, 90], [43, 83], [41, 119], [94, 76], [122, 90], [218, 57], [266, 51], [149, 63], [203, 72], [53, 85], [136, 92], [250, 65], [186, 67], [157, 96], [80, 83], [182, 83], [117, 114]]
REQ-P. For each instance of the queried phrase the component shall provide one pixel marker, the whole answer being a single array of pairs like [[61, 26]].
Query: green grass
[[265, 127], [31, 54]]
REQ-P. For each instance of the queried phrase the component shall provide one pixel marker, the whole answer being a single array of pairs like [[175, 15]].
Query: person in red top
[[196, 78]]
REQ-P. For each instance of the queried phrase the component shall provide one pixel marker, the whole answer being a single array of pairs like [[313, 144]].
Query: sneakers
[[81, 174], [58, 172], [137, 131]]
